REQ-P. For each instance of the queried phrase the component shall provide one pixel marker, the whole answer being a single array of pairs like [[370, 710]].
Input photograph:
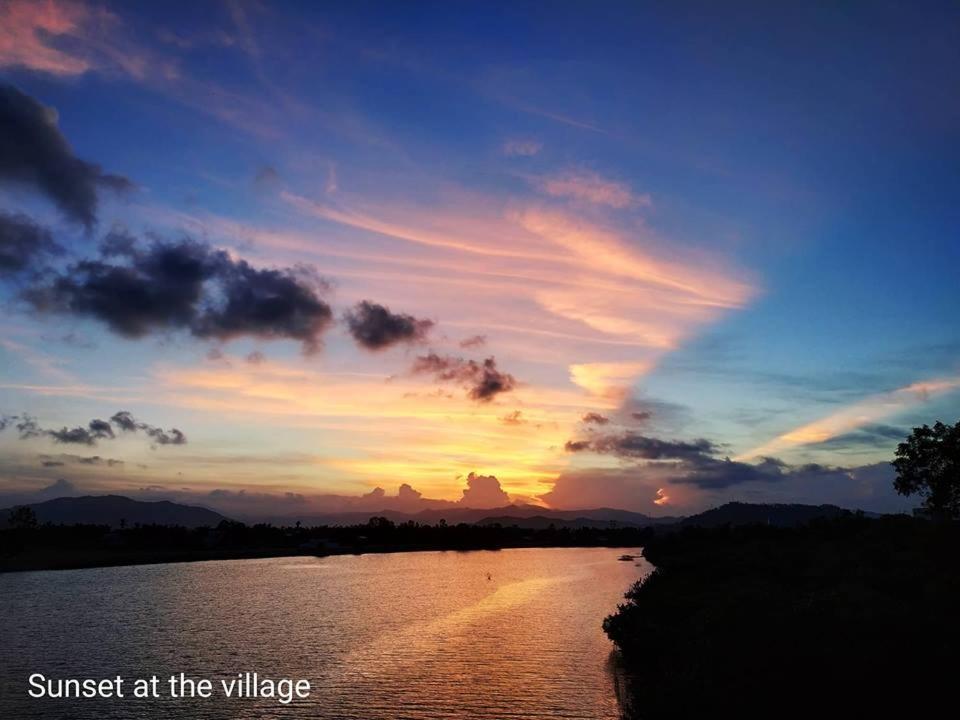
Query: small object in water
[[626, 558]]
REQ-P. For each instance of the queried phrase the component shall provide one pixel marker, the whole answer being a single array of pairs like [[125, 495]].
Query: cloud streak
[[859, 414]]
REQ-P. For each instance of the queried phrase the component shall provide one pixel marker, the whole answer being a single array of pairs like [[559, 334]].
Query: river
[[481, 634]]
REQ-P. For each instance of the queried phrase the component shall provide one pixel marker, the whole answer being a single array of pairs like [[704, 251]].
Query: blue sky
[[739, 222]]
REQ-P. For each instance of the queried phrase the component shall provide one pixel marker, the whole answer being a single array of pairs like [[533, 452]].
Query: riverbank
[[61, 547], [850, 615]]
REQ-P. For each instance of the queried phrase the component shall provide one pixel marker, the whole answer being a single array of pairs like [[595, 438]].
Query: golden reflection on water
[[508, 634]]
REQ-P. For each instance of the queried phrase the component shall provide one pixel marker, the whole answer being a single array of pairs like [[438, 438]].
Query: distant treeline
[[849, 616], [31, 546]]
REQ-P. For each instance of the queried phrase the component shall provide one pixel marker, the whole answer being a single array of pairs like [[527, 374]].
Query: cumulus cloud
[[27, 428], [483, 491], [23, 243], [35, 153], [594, 418], [483, 380], [375, 327], [186, 284], [406, 492]]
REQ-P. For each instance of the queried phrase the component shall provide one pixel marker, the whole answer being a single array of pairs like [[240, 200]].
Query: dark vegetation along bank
[[843, 617], [27, 545]]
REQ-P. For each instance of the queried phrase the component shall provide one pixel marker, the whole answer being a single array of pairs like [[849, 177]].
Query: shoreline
[[83, 561]]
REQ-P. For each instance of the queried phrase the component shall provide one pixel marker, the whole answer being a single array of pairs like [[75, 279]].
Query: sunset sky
[[653, 256]]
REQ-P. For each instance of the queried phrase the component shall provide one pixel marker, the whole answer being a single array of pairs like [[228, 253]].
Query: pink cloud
[[592, 188], [29, 30]]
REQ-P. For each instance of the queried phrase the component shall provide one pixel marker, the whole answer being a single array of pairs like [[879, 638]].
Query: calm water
[[410, 635]]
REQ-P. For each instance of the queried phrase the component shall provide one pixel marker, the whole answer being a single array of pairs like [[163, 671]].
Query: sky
[[290, 258]]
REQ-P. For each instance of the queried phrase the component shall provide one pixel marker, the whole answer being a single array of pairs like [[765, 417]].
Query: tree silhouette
[[22, 518], [928, 464]]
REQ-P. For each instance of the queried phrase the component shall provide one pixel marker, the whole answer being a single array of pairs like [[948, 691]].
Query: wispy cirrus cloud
[[857, 415]]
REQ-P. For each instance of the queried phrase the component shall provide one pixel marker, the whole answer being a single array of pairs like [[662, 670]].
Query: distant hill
[[737, 513], [507, 515], [542, 522], [111, 509]]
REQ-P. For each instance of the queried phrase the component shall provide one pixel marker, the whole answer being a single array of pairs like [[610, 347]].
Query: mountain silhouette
[[780, 515], [114, 509]]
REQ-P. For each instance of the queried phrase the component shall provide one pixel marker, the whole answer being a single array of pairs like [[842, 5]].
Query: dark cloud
[[65, 459], [594, 418], [484, 380], [185, 284], [95, 430], [694, 462], [474, 341], [641, 416], [23, 243], [634, 445], [483, 491], [256, 358], [125, 421], [374, 327], [27, 427], [165, 437], [715, 474], [34, 152]]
